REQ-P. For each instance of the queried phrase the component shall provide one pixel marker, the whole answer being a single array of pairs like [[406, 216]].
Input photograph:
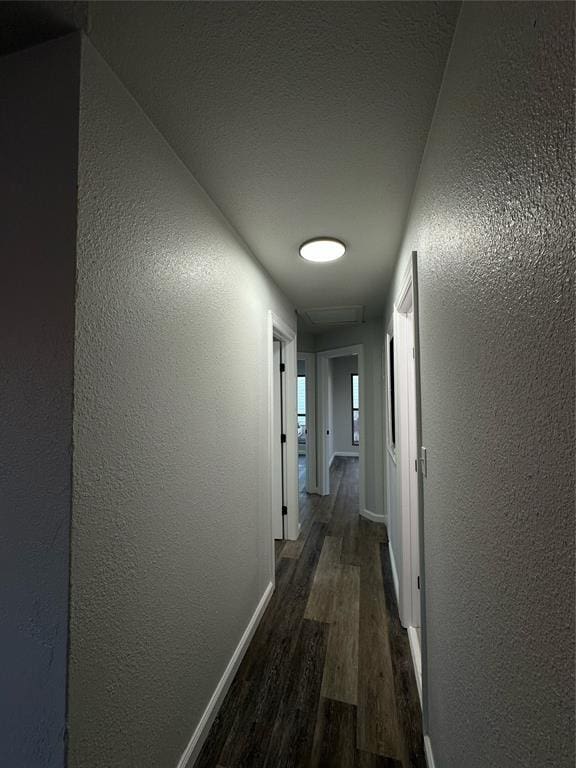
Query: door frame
[[407, 453], [278, 466], [323, 479], [422, 475], [411, 472], [280, 330], [311, 468]]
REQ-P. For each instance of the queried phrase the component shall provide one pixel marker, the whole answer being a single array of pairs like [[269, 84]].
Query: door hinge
[[282, 367], [418, 581], [282, 438], [423, 461], [415, 465], [284, 510], [413, 354]]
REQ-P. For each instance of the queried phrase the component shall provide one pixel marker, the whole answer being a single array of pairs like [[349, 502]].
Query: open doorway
[[306, 417], [283, 432], [341, 386], [302, 428]]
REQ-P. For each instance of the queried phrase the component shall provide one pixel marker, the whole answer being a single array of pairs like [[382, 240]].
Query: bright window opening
[[355, 410], [301, 410]]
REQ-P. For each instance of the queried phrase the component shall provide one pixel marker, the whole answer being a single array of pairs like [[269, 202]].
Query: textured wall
[[305, 341], [492, 221], [343, 368], [39, 130], [299, 118], [171, 530], [370, 335]]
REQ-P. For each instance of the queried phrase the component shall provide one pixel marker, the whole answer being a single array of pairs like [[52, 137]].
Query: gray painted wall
[[492, 221], [342, 369], [171, 533], [306, 342], [370, 335], [38, 158]]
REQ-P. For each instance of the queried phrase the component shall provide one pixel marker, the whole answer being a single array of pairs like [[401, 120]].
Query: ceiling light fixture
[[322, 249]]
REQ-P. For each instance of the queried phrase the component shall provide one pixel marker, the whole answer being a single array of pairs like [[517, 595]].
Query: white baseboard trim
[[203, 728], [372, 516], [394, 573], [428, 751], [416, 652]]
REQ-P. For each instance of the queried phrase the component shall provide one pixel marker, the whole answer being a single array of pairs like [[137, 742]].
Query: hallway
[[237, 231], [327, 679]]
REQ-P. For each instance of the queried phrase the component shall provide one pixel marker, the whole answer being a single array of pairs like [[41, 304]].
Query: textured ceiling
[[298, 118]]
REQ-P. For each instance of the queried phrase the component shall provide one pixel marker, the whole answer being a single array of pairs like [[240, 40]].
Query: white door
[[413, 453], [277, 474], [407, 463]]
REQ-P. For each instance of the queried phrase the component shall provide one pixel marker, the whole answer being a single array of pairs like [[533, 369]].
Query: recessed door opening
[[340, 403], [343, 407], [403, 447], [283, 433], [302, 428], [306, 423]]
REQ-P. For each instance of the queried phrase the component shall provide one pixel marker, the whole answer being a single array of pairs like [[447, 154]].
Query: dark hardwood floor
[[327, 681], [301, 472]]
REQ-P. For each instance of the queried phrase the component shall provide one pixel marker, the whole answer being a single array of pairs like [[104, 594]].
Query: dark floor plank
[[321, 602], [368, 760], [293, 734], [341, 669], [406, 691], [238, 693], [250, 735], [377, 723], [335, 740], [278, 547], [335, 736]]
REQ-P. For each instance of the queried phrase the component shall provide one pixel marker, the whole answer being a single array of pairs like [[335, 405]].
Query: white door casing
[[277, 473], [324, 418], [280, 330]]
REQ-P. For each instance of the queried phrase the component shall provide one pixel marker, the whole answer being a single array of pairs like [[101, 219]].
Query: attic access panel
[[335, 315]]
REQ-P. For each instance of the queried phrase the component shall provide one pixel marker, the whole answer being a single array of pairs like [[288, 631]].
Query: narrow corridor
[[327, 679]]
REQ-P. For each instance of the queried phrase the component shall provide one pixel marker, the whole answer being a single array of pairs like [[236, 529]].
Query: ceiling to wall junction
[[298, 118]]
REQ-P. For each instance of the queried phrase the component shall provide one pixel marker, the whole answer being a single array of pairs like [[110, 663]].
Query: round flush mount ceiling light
[[322, 249]]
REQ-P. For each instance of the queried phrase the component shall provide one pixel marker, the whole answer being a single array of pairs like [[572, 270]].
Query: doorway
[[341, 419], [306, 416], [404, 433], [282, 432]]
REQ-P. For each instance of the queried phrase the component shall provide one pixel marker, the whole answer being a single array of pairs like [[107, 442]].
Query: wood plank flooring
[[327, 681]]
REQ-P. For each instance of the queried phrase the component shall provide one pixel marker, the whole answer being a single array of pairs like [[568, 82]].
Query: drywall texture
[[305, 341], [370, 335], [299, 118], [493, 224], [342, 369], [39, 130], [171, 533]]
